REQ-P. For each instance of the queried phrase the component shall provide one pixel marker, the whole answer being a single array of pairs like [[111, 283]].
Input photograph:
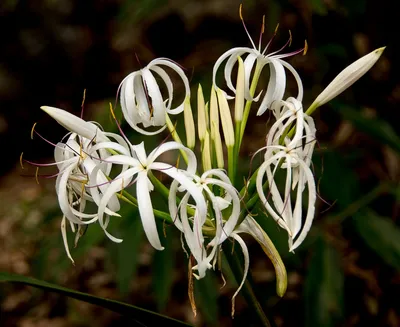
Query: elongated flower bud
[[189, 124], [75, 124], [205, 154], [226, 119], [347, 77], [219, 153], [214, 117], [201, 114]]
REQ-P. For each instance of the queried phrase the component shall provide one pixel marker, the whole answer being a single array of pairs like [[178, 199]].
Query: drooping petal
[[157, 113], [248, 67], [276, 85], [146, 211], [180, 72], [246, 268], [312, 195], [232, 52]]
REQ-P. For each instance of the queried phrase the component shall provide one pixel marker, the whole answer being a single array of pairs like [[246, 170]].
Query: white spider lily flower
[[295, 157], [223, 228], [75, 124], [76, 159], [141, 98], [347, 77], [298, 177], [139, 167], [277, 80], [287, 113]]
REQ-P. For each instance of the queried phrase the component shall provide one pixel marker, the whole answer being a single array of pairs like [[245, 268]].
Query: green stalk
[[232, 164], [247, 107]]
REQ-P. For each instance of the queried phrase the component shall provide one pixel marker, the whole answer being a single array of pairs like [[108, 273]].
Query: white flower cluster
[[206, 207]]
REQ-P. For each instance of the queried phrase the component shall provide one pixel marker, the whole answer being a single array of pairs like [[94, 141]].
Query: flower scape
[[208, 202]]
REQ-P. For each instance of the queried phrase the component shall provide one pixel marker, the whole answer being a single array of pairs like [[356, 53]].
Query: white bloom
[[277, 80], [295, 158], [141, 98], [348, 76], [298, 176], [223, 228], [139, 166], [76, 159]]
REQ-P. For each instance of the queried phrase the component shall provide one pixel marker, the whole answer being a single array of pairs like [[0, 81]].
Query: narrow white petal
[[65, 239], [230, 63], [168, 146], [259, 186], [231, 52], [248, 67], [276, 86], [158, 112], [312, 196], [180, 72], [246, 268], [146, 211]]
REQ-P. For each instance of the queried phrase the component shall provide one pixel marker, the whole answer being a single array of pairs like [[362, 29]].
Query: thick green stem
[[232, 164]]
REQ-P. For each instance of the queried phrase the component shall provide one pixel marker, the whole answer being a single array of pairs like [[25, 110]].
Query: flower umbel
[[203, 201]]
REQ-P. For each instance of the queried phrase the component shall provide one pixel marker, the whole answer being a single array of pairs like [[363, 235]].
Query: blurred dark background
[[346, 274]]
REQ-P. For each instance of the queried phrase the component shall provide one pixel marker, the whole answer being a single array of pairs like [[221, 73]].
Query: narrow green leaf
[[378, 129], [324, 287], [143, 316], [127, 252], [163, 268], [381, 234], [206, 294]]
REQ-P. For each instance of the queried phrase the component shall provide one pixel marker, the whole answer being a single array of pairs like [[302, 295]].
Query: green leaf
[[127, 251], [206, 294], [381, 234], [378, 129], [143, 316], [163, 268], [333, 170], [324, 287]]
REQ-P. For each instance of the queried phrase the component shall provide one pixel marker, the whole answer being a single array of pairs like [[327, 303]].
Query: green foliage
[[163, 268], [206, 295], [324, 286], [381, 235], [128, 251]]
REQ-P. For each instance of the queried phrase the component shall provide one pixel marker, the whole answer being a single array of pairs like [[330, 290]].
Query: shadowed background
[[347, 271]]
